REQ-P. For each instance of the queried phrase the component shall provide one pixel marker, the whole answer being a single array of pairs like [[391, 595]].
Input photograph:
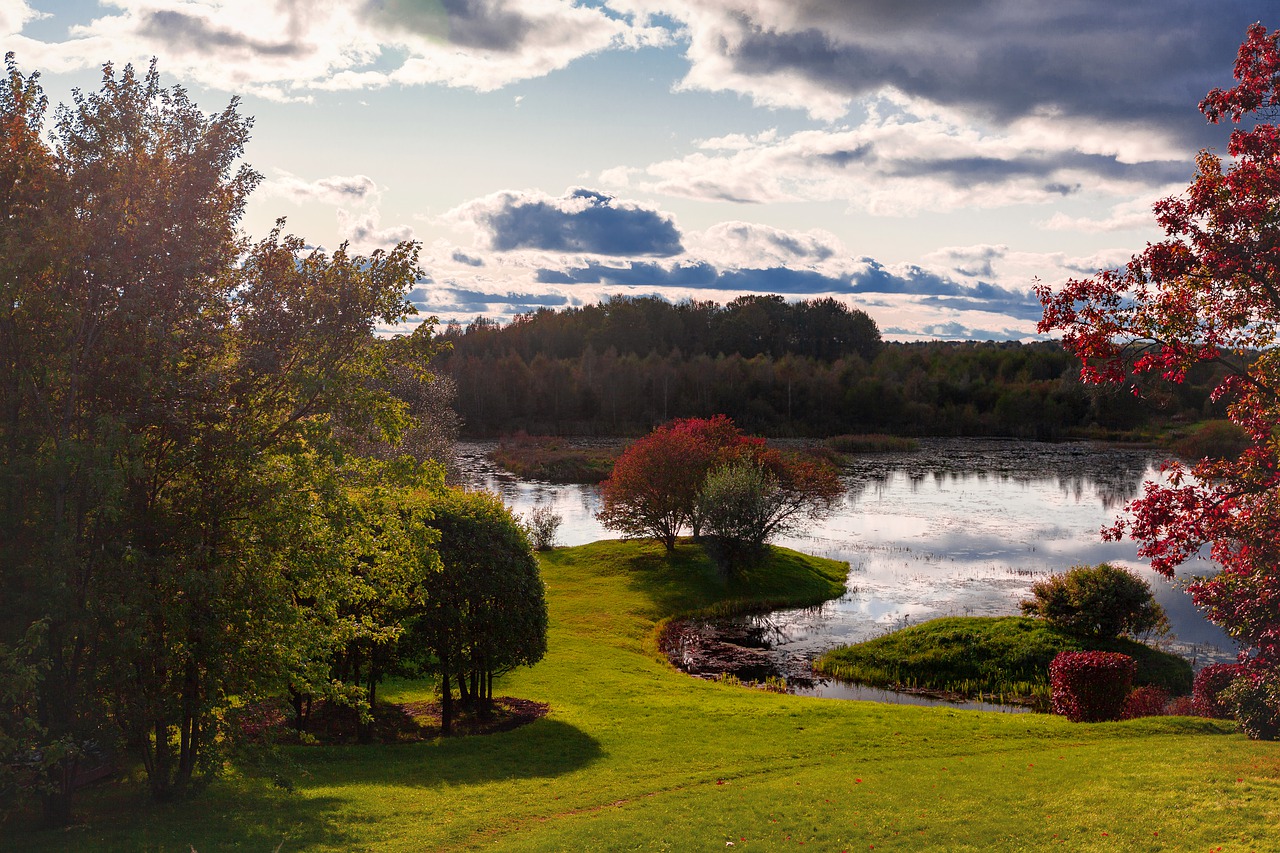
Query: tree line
[[517, 377], [217, 490]]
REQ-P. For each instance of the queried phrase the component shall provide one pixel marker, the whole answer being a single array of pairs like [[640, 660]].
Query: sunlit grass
[[993, 656], [636, 756]]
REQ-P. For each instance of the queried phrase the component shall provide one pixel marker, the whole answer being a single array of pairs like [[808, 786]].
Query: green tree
[[168, 389], [486, 609]]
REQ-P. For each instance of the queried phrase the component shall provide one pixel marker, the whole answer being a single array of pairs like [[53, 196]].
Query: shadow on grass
[[331, 807], [541, 749]]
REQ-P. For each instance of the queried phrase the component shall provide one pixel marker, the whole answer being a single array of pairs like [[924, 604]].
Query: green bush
[[1254, 697], [1100, 601]]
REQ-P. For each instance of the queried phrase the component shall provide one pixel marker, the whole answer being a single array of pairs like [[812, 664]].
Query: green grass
[[636, 756], [1002, 656]]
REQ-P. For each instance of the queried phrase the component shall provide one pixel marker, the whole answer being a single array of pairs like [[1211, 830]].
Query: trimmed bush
[[1209, 683], [1254, 698], [1090, 687], [1145, 702]]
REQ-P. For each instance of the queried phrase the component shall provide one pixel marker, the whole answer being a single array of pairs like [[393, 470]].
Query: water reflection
[[958, 527]]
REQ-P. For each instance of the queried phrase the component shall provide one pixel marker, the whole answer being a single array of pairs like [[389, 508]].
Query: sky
[[926, 161]]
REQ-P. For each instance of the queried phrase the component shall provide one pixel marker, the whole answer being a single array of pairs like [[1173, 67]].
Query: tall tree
[[166, 385], [1208, 292]]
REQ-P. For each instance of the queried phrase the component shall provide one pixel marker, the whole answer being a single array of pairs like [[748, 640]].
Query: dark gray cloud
[[935, 289], [966, 171], [463, 258], [583, 221], [1144, 60], [195, 33], [447, 301]]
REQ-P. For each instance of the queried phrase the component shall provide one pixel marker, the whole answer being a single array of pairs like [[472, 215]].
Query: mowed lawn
[[637, 756]]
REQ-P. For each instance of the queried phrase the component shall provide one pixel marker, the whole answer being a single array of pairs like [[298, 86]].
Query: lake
[[958, 527]]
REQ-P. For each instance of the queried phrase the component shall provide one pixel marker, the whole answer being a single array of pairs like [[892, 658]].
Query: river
[[957, 527]]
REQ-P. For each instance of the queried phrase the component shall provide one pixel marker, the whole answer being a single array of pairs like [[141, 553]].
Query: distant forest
[[812, 368]]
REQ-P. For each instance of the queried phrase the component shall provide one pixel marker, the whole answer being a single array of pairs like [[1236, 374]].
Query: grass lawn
[[636, 756]]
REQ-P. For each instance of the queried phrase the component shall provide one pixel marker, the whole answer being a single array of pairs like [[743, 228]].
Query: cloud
[[582, 221], [361, 229], [335, 190], [290, 49], [995, 60], [896, 163]]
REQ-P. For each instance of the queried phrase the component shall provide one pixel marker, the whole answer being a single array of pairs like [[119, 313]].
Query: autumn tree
[[706, 475], [653, 490], [1208, 292]]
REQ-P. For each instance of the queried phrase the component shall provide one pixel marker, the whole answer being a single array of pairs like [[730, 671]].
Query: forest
[[812, 368]]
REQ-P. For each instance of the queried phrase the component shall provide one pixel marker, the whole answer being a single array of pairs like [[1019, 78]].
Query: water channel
[[957, 527]]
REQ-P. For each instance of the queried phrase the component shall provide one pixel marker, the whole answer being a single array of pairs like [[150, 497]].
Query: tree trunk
[[446, 697]]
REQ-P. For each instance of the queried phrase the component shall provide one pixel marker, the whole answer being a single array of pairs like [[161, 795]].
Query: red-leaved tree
[[655, 485], [1208, 292]]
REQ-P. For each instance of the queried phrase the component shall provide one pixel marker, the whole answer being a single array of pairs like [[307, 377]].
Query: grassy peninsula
[[1006, 657], [637, 756]]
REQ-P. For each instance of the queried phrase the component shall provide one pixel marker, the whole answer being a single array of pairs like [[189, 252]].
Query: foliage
[[990, 656], [486, 609], [1101, 601], [1146, 701], [653, 490], [657, 484], [1213, 440], [925, 388], [175, 406], [745, 503], [1206, 691], [1090, 687], [1254, 699], [1207, 294], [542, 524]]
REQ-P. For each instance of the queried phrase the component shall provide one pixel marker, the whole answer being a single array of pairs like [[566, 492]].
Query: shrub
[[1145, 702], [1213, 440], [1209, 683], [1090, 687], [1254, 698], [542, 524], [1181, 706], [1100, 601]]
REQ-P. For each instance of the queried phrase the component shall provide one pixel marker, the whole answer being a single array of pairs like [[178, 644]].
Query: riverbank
[[635, 755]]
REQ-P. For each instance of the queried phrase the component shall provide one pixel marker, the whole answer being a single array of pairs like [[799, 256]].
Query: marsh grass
[[872, 443], [553, 459], [637, 756]]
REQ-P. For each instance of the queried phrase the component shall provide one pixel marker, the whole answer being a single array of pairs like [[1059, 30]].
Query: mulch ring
[[407, 722]]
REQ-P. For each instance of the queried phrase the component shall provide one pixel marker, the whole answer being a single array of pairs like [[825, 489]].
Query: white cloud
[[335, 190], [361, 229], [894, 163], [1131, 215], [288, 49]]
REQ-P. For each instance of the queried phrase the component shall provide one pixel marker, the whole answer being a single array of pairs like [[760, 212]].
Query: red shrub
[[1211, 681], [1145, 702], [1181, 706], [1090, 687]]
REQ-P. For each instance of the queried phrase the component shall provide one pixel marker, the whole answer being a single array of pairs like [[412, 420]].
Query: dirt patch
[[407, 722]]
